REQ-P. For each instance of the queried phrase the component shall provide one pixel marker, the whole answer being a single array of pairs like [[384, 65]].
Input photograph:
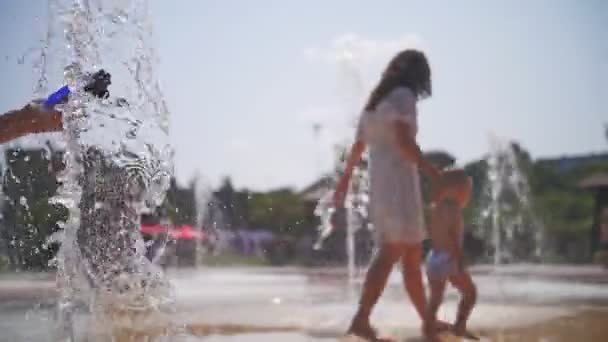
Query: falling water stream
[[516, 232], [356, 201], [118, 162]]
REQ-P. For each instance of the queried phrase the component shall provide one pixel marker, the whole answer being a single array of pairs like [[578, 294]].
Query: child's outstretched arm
[[28, 120]]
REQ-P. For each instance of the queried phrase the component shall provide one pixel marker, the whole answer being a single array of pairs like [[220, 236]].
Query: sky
[[246, 81]]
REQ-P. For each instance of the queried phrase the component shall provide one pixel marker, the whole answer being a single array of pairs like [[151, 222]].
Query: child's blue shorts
[[439, 264]]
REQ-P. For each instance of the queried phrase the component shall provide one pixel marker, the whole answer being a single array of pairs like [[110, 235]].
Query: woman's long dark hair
[[408, 68]]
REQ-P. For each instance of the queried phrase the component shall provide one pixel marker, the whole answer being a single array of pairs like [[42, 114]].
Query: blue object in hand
[[57, 97], [97, 85]]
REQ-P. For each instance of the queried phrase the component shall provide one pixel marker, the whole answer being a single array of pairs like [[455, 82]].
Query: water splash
[[118, 160], [515, 231]]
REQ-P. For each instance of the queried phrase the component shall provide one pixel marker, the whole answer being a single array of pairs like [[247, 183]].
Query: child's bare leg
[[375, 282], [468, 292], [437, 287]]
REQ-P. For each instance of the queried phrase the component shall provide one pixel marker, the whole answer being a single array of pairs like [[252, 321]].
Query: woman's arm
[[409, 150], [354, 157], [28, 120]]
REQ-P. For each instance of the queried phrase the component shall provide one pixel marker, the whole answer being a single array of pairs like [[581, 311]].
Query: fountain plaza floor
[[516, 303]]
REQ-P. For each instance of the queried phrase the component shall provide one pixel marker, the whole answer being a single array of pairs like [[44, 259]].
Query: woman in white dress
[[388, 125]]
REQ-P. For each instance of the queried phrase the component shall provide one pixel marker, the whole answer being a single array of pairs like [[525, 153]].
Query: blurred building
[[598, 184], [567, 163], [314, 192]]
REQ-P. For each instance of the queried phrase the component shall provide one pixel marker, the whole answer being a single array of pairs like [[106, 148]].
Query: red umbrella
[[154, 229], [186, 232]]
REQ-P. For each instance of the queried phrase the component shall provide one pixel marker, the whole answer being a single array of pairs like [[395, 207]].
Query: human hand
[[437, 187], [436, 191], [99, 83], [434, 173]]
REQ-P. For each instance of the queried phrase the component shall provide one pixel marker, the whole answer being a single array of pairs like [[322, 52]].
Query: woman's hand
[[356, 152], [431, 171], [338, 217], [410, 151], [435, 174], [437, 184]]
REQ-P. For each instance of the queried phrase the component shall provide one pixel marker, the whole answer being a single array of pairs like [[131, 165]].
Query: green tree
[[180, 204], [565, 209], [29, 219], [282, 211]]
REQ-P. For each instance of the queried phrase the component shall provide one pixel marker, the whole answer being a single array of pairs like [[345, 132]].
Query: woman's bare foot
[[441, 326], [431, 336], [431, 331], [461, 331], [363, 329]]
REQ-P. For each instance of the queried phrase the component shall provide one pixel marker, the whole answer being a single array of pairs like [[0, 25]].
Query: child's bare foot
[[461, 331]]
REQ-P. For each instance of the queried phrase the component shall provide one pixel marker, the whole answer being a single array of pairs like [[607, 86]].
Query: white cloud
[[238, 144], [360, 49], [335, 124], [332, 119], [315, 115], [359, 61]]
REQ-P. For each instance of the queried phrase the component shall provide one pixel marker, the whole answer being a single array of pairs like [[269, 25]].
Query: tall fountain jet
[[118, 159], [515, 231]]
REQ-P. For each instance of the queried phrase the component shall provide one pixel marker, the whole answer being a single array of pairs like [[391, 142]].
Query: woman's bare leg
[[375, 282], [437, 289], [412, 277]]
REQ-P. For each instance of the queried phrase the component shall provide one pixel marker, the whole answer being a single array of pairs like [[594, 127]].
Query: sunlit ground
[[517, 303]]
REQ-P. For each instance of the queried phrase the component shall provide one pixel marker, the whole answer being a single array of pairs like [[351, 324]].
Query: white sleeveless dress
[[395, 197]]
